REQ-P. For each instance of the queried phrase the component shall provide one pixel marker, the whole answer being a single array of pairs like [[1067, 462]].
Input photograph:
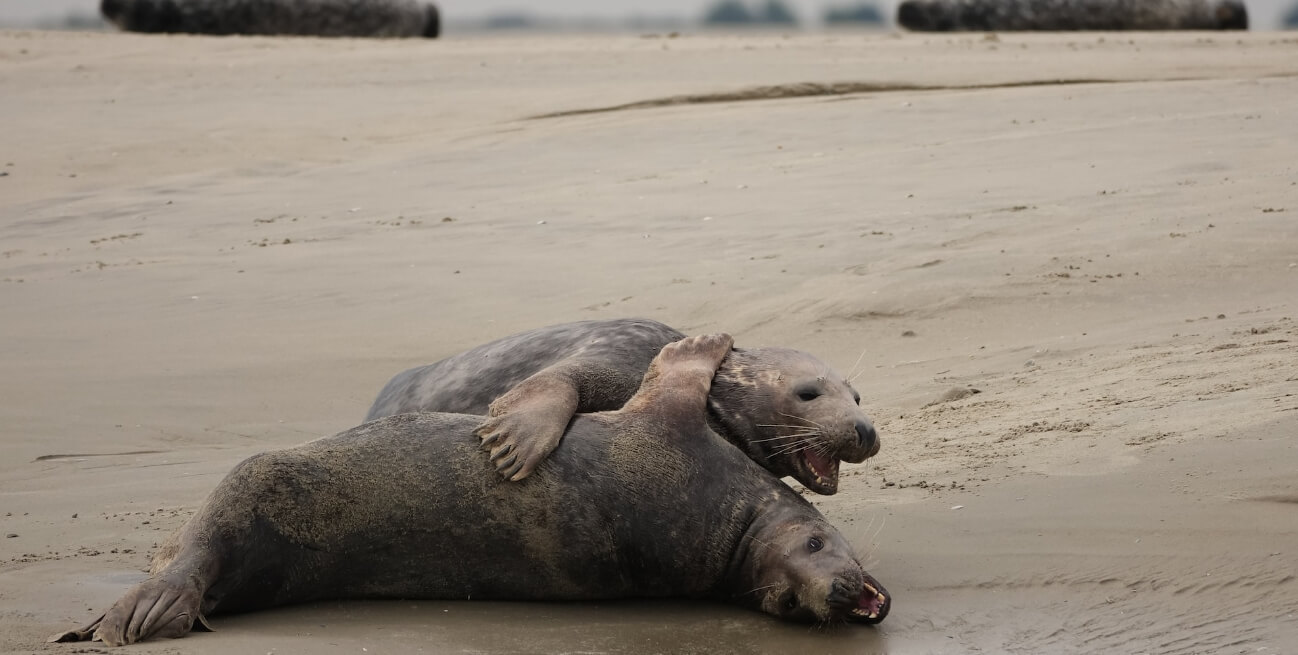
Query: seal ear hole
[[814, 544], [789, 602]]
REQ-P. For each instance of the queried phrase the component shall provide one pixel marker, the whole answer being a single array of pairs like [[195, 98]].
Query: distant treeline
[[75, 20], [731, 13], [722, 14]]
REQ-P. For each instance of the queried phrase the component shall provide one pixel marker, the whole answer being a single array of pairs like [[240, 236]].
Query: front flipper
[[160, 607], [525, 424]]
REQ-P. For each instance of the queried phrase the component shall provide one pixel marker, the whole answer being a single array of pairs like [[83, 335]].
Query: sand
[[216, 246]]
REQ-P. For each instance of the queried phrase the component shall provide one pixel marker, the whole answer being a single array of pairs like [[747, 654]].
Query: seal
[[530, 384], [1063, 15], [405, 507], [363, 18]]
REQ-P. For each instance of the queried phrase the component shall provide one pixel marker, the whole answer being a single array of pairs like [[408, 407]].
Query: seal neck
[[741, 581], [733, 400]]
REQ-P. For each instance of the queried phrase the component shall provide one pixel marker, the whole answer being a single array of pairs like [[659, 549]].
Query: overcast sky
[[1263, 13]]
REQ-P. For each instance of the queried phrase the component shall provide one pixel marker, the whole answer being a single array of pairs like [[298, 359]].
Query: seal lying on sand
[[798, 418], [377, 18], [642, 502], [1013, 15]]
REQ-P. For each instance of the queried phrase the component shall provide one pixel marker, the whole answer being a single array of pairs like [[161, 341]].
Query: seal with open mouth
[[406, 507], [803, 418]]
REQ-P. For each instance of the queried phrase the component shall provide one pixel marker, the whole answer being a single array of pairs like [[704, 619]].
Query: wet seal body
[[531, 384], [357, 18], [1067, 15], [384, 511]]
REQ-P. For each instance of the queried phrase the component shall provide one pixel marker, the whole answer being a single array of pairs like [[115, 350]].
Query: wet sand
[[212, 247]]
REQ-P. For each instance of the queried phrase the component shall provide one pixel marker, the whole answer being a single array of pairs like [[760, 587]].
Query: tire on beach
[[337, 18], [1070, 15]]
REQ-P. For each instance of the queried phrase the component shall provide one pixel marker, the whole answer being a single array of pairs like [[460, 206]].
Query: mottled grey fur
[[372, 18], [642, 502], [530, 384], [1014, 15]]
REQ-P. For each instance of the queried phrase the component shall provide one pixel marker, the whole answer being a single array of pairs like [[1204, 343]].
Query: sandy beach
[[212, 247]]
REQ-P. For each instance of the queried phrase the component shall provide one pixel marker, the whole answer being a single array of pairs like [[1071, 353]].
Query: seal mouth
[[817, 472], [872, 605], [869, 606]]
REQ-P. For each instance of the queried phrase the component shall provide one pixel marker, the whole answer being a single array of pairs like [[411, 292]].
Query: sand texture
[[216, 246]]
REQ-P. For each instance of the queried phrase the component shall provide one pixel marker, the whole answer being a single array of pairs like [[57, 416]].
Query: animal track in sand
[[817, 89]]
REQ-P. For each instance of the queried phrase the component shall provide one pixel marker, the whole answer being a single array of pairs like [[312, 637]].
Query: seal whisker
[[805, 442], [790, 449], [803, 418], [787, 436], [763, 543], [801, 429], [800, 447], [795, 428], [851, 373], [874, 537]]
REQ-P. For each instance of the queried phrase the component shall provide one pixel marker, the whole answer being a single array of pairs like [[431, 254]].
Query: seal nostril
[[866, 435]]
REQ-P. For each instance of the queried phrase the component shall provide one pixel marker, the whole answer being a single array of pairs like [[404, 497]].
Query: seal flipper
[[525, 424], [680, 378], [162, 606], [80, 634]]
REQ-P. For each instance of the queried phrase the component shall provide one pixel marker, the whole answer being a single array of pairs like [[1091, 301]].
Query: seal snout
[[867, 438], [859, 598]]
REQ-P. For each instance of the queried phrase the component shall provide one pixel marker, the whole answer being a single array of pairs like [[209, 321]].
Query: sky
[[1263, 13]]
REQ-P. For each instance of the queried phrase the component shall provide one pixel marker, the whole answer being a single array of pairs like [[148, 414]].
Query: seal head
[[800, 568], [791, 413]]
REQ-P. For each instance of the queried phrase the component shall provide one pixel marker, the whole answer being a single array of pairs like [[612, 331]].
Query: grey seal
[[645, 501], [800, 418]]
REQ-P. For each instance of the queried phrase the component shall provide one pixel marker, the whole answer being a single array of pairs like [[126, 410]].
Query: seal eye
[[808, 395], [814, 544]]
